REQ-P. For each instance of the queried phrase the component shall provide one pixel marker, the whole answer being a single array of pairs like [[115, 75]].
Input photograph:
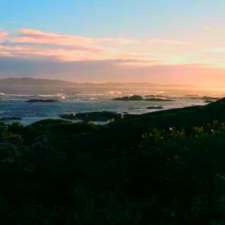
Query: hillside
[[34, 86], [159, 168]]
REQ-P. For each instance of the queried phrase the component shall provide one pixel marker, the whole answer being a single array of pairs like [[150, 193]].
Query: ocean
[[89, 97], [18, 108]]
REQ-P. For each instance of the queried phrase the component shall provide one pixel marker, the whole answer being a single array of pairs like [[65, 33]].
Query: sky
[[163, 41]]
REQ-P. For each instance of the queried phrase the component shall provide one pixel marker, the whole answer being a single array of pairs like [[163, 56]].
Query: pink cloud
[[133, 52], [3, 35], [73, 47], [116, 59], [46, 38]]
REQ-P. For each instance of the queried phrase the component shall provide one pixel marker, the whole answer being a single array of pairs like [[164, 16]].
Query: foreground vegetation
[[164, 168]]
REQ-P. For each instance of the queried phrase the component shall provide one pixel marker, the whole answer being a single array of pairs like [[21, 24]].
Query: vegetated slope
[[160, 168]]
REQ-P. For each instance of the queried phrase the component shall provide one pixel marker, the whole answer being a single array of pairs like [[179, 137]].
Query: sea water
[[27, 112]]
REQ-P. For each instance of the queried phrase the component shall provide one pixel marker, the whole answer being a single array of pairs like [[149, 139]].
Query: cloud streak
[[30, 52], [35, 43], [3, 35]]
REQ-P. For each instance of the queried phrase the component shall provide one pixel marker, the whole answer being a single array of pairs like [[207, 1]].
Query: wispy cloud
[[3, 35], [36, 37], [36, 43], [30, 52]]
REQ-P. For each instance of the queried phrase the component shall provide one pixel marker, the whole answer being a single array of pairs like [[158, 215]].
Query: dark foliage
[[164, 168]]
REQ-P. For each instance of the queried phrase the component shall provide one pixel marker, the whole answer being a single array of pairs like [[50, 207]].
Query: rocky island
[[42, 100], [143, 98]]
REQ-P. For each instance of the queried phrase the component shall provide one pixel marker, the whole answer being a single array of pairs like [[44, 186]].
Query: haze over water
[[80, 98]]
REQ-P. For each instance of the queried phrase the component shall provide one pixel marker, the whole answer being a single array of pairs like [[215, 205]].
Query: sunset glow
[[155, 49]]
